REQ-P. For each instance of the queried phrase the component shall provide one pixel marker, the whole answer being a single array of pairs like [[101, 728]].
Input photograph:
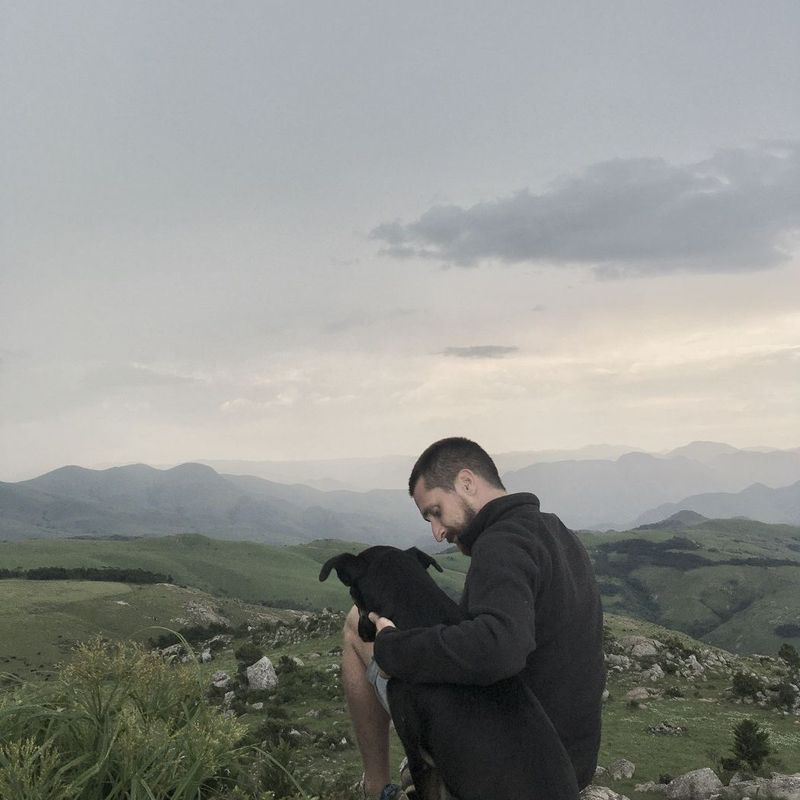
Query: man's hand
[[381, 623]]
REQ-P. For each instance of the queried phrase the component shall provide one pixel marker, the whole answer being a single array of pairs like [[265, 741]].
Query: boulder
[[778, 787], [695, 785], [651, 786], [262, 675], [637, 695], [221, 680], [600, 793], [621, 769], [782, 787], [639, 646], [694, 665], [655, 673]]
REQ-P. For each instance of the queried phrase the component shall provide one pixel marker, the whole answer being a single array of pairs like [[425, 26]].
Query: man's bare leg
[[370, 720]]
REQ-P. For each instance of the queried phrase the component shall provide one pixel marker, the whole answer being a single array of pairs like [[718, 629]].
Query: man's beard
[[455, 531]]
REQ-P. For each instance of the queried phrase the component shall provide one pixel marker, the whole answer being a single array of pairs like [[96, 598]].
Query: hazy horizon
[[276, 231]]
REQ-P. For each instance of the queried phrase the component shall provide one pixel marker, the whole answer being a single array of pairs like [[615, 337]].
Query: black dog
[[487, 743]]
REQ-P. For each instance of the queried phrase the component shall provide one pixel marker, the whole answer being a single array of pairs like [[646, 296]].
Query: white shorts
[[379, 683]]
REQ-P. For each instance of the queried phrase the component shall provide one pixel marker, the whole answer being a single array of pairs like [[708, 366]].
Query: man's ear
[[424, 558], [348, 567]]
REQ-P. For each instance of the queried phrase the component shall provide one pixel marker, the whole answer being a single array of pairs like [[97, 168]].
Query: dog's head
[[378, 578]]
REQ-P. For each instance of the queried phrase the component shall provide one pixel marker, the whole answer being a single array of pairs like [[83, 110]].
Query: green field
[[285, 577]]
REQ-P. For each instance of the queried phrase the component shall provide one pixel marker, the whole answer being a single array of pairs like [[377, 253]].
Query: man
[[532, 603]]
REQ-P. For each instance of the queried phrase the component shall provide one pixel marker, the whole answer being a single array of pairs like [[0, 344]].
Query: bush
[[750, 744], [787, 695], [745, 684], [789, 654], [118, 723], [248, 654]]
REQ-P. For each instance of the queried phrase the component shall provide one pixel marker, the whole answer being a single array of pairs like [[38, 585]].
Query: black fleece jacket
[[533, 610]]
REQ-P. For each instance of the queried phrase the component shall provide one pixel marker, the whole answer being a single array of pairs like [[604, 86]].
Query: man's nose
[[438, 530]]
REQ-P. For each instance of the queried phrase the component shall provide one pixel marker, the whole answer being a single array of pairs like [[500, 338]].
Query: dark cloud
[[480, 351], [736, 211]]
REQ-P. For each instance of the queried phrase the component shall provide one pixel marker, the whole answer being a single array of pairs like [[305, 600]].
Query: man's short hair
[[440, 464]]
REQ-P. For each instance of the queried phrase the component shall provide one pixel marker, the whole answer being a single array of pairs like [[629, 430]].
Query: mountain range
[[587, 491]]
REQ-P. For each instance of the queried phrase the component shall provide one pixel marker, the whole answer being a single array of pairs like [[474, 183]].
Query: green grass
[[44, 620], [284, 577]]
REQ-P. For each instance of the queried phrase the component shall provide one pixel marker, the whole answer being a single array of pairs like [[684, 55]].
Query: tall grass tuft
[[118, 724]]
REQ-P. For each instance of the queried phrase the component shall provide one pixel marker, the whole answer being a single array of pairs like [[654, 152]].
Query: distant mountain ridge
[[781, 506], [139, 500], [618, 492]]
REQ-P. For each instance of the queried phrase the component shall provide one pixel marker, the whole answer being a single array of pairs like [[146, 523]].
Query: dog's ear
[[424, 558], [348, 567]]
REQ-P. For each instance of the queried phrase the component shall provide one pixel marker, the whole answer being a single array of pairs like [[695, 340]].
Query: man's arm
[[494, 643]]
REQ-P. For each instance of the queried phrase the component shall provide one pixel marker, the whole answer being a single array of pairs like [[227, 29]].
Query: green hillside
[[732, 583], [43, 620], [285, 577]]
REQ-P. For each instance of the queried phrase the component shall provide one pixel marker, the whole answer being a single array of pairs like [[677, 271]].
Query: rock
[[173, 651], [640, 646], [651, 786], [261, 675], [666, 729], [257, 706], [694, 665], [695, 785], [298, 662], [782, 787], [606, 695], [621, 769], [600, 772], [622, 662], [220, 680], [600, 793], [228, 699], [655, 673], [637, 695], [205, 656]]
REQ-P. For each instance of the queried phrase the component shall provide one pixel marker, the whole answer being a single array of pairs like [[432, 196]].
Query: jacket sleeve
[[496, 639]]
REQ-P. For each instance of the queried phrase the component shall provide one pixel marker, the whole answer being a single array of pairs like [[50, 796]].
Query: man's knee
[[351, 638]]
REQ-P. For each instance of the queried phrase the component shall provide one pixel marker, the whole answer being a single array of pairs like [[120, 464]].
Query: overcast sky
[[276, 230]]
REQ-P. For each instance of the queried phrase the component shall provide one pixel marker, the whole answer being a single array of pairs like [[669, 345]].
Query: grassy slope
[[286, 577], [732, 606], [704, 712], [43, 620], [706, 715]]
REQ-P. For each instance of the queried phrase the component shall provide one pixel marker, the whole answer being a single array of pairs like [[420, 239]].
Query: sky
[[305, 230]]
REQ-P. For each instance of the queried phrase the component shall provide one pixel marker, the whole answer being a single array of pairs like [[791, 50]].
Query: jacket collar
[[491, 513]]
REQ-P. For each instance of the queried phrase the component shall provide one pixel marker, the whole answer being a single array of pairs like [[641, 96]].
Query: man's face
[[448, 512]]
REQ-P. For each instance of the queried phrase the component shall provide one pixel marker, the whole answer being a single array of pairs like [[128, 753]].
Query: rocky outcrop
[[699, 784], [777, 787], [600, 793], [261, 675]]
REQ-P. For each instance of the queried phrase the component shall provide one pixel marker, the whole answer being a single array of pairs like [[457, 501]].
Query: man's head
[[451, 481]]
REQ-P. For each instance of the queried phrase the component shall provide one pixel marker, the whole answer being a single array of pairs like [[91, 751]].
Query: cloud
[[737, 211], [480, 351], [134, 374]]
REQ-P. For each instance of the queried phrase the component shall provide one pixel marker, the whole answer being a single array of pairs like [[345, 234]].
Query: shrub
[[750, 744], [789, 654], [248, 654], [787, 695], [745, 684], [120, 723]]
